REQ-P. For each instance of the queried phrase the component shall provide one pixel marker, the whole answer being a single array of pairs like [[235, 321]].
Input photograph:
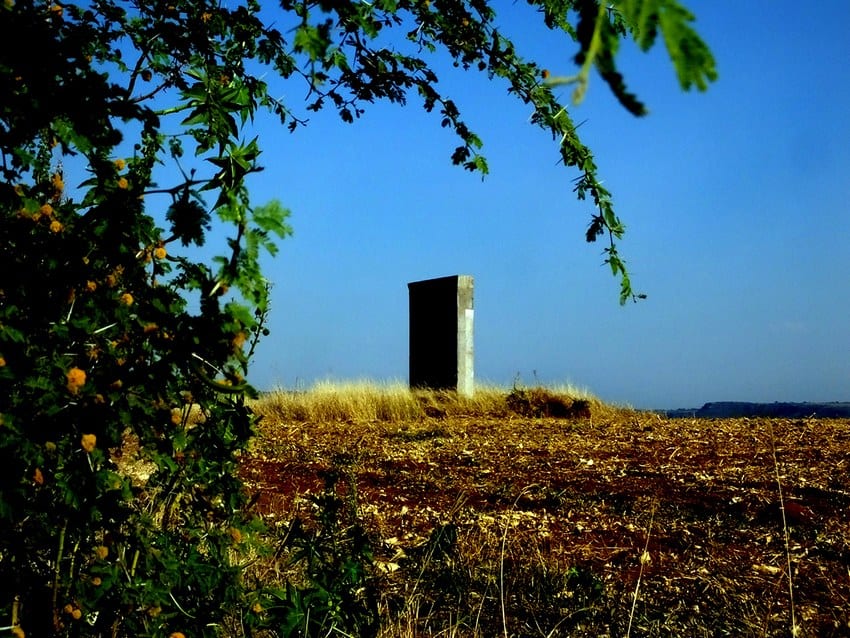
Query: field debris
[[541, 523]]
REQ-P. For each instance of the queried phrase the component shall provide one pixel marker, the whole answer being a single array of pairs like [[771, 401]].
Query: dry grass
[[394, 401]]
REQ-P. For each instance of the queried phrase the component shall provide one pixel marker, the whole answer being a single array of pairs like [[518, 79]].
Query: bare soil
[[623, 523]]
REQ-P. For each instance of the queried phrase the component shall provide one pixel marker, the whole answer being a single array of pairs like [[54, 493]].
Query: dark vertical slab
[[441, 336]]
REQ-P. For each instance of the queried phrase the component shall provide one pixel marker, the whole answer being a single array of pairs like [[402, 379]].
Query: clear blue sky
[[735, 201]]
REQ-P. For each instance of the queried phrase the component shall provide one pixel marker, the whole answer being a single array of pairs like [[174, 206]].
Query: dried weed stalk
[[644, 560], [795, 629]]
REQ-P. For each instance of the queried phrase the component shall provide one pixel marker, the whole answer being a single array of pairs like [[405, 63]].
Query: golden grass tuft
[[334, 401], [393, 401]]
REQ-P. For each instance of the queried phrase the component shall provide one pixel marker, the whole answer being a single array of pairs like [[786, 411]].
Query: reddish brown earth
[[551, 526]]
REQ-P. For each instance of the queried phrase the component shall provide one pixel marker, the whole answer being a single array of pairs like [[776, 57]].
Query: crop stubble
[[562, 509]]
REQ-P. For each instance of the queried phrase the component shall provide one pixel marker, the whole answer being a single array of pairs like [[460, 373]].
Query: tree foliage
[[122, 354]]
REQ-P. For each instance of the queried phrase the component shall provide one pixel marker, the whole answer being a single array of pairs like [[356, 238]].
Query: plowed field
[[622, 523]]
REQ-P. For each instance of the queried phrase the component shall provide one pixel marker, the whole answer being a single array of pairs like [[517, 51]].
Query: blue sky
[[735, 201]]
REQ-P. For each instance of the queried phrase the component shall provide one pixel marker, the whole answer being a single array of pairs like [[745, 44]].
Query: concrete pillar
[[441, 334]]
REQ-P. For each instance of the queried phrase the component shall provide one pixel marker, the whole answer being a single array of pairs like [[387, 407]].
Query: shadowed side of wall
[[441, 334]]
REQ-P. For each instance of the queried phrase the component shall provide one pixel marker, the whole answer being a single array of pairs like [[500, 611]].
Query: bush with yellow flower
[[101, 338]]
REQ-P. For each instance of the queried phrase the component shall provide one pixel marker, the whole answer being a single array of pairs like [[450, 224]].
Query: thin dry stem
[[644, 559], [795, 630], [502, 557]]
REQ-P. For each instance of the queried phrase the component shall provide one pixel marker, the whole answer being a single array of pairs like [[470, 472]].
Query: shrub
[[112, 337]]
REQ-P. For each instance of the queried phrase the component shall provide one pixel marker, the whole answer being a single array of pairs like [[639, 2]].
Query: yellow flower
[[76, 614], [96, 581], [55, 226], [2, 362], [159, 253], [120, 164], [38, 477], [58, 183], [56, 10], [46, 209], [91, 286], [101, 551], [123, 184], [239, 340], [127, 299], [177, 634], [76, 380], [88, 442]]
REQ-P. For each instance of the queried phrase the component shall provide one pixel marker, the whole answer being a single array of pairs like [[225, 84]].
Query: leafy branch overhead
[[212, 66], [347, 68], [348, 55]]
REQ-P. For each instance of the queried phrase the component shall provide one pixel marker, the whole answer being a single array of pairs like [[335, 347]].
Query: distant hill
[[739, 409]]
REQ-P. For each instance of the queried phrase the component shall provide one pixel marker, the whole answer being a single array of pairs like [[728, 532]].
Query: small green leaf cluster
[[340, 593]]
